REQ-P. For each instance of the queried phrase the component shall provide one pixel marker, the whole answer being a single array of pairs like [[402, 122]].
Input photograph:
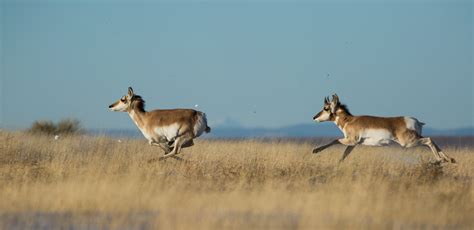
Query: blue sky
[[261, 64]]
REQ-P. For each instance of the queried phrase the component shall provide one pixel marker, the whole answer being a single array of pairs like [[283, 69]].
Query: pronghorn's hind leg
[[166, 148], [428, 142], [442, 154], [187, 144], [183, 141]]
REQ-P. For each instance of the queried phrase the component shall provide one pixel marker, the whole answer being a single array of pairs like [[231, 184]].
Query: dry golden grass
[[99, 183]]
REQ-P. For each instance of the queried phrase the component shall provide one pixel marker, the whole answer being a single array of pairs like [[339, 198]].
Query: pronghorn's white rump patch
[[413, 124], [376, 137], [170, 131], [200, 125]]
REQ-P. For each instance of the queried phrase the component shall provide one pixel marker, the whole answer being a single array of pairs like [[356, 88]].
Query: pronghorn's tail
[[200, 124]]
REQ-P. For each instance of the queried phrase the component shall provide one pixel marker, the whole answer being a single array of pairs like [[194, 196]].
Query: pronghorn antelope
[[375, 131], [171, 129]]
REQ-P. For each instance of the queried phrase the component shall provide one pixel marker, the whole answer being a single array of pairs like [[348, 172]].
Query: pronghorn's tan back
[[167, 117], [390, 123]]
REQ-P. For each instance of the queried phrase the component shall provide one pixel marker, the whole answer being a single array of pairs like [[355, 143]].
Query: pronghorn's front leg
[[343, 141], [178, 144], [163, 146], [347, 152], [323, 147], [166, 148]]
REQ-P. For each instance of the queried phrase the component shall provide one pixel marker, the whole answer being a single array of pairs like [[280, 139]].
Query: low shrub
[[65, 126]]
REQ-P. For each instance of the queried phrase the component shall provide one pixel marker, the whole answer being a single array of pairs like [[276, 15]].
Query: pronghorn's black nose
[[317, 115], [110, 106]]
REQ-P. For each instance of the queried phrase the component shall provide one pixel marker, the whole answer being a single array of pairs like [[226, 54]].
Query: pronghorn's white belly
[[376, 137], [170, 131]]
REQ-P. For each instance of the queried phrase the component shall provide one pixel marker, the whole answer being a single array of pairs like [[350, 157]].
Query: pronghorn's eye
[[122, 99]]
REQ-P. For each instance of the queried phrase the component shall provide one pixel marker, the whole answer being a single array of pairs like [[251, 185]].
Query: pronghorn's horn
[[130, 91], [326, 100]]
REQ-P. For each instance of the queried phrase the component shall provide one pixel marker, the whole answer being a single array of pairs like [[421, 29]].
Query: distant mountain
[[468, 131], [295, 131], [316, 130]]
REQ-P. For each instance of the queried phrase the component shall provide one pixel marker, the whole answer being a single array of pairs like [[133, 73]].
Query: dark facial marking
[[112, 105], [317, 115]]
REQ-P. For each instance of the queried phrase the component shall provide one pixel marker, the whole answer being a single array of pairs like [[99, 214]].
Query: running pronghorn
[[170, 129], [375, 131]]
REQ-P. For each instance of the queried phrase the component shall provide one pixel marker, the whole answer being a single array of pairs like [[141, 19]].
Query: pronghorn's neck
[[342, 117], [137, 112], [138, 117]]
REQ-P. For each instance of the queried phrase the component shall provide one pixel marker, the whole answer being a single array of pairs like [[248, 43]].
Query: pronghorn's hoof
[[177, 158], [153, 160], [170, 155], [162, 158], [436, 162], [449, 160], [174, 157], [316, 150]]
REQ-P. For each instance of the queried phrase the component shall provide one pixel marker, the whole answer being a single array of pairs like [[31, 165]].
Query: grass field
[[99, 183]]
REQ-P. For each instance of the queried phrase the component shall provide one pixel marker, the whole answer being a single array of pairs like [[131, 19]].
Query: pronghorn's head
[[123, 104], [329, 109]]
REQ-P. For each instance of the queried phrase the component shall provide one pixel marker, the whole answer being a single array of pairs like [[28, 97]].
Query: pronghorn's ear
[[335, 98], [334, 103], [130, 91]]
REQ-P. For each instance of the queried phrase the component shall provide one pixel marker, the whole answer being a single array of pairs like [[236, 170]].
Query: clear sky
[[259, 63]]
